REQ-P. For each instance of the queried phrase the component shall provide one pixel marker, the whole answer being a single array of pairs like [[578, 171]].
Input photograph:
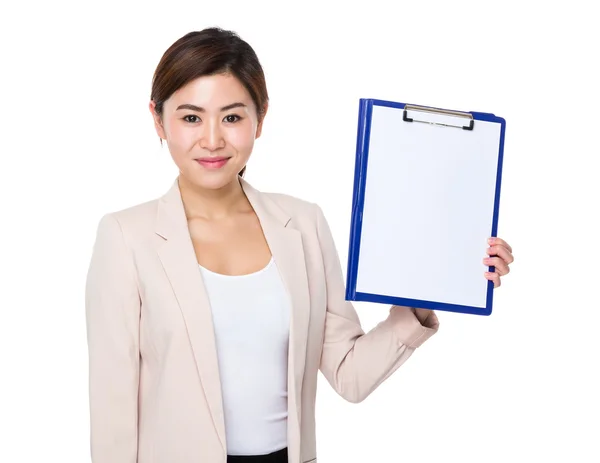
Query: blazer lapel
[[179, 260], [181, 266], [287, 249]]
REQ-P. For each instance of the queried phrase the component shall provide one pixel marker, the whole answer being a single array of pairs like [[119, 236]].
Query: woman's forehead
[[213, 92]]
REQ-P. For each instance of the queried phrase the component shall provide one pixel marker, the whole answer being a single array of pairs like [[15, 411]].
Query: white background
[[77, 141]]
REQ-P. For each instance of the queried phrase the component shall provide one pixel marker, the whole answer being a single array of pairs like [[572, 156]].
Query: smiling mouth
[[212, 163]]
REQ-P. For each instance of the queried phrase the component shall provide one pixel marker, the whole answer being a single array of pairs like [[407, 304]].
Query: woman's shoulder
[[133, 219], [142, 215], [292, 204], [301, 211]]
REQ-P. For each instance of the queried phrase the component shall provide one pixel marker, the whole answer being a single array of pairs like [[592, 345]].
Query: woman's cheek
[[242, 138], [183, 137]]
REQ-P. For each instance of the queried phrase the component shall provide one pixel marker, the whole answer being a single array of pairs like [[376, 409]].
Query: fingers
[[494, 277], [500, 257], [422, 315], [426, 317], [501, 267], [501, 242], [502, 252]]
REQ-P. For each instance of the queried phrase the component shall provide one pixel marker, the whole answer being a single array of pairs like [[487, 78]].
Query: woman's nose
[[211, 137]]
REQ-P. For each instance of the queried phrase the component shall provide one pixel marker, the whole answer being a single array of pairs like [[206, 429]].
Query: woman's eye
[[191, 118], [232, 118]]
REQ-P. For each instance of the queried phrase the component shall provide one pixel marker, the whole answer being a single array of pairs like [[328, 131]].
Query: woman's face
[[210, 126]]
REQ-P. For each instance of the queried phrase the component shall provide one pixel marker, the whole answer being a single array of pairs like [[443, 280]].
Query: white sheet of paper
[[428, 208]]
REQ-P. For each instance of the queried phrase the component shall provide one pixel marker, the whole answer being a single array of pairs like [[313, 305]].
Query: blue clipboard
[[424, 177]]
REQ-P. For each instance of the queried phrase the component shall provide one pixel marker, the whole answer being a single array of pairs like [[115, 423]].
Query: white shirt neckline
[[246, 275]]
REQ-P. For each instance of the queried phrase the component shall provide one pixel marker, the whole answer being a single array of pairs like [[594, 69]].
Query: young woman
[[211, 309]]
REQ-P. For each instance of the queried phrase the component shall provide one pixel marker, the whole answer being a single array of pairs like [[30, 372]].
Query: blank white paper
[[428, 208]]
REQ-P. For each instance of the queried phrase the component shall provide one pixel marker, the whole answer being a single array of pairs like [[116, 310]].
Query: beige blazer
[[155, 393]]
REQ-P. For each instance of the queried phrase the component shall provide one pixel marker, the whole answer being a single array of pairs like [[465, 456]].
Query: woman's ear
[[262, 119], [158, 125]]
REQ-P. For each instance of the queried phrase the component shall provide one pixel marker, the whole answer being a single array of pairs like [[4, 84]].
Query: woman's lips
[[212, 163]]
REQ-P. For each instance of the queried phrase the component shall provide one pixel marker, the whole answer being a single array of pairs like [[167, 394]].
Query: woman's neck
[[212, 204]]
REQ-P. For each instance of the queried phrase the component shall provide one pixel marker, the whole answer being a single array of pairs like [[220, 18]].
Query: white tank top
[[251, 316]]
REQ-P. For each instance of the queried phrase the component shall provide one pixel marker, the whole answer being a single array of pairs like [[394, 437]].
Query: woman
[[211, 309]]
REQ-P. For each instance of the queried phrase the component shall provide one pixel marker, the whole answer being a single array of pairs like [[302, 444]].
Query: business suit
[[155, 394]]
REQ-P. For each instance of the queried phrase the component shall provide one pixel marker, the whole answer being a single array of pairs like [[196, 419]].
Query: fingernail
[[490, 240]]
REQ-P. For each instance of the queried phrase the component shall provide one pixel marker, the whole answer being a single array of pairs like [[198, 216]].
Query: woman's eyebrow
[[201, 110]]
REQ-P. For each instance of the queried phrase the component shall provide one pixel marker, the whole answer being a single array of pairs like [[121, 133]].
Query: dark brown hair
[[208, 52]]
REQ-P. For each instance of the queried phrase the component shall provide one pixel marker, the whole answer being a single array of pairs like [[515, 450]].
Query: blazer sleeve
[[112, 305], [355, 363]]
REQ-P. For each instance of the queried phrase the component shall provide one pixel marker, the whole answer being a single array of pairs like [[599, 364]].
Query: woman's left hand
[[500, 257]]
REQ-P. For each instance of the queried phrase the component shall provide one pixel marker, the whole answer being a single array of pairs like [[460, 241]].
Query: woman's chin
[[211, 180]]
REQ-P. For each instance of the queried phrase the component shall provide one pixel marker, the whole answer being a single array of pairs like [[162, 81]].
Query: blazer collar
[[171, 212]]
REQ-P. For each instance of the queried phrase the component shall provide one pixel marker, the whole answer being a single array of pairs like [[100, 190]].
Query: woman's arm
[[112, 305], [353, 362]]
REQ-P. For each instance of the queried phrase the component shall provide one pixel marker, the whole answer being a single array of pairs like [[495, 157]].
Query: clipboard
[[425, 200]]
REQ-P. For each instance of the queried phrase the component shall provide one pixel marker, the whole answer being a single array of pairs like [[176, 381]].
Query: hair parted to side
[[208, 52]]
